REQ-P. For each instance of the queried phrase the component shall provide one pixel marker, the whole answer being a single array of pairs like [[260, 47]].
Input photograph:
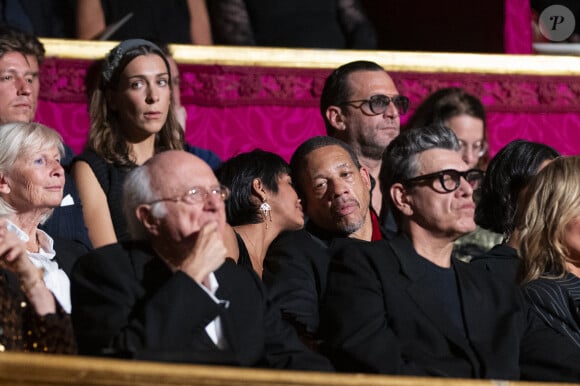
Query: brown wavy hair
[[13, 39], [106, 136]]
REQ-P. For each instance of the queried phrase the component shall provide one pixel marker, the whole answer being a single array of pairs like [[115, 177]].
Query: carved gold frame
[[421, 62]]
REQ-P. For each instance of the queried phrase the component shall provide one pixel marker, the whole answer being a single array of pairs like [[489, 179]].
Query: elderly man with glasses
[[361, 105], [172, 295], [404, 306]]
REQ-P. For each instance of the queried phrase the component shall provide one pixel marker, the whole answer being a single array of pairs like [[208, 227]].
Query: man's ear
[[4, 185], [335, 117], [145, 215], [401, 199], [364, 173]]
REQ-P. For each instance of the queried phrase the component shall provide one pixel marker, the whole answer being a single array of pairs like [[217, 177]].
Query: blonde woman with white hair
[[549, 224], [31, 186]]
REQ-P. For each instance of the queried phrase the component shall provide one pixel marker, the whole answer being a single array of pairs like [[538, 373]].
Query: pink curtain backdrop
[[236, 109], [518, 27]]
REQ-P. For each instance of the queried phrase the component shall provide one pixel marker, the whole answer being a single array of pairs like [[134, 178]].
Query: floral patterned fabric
[[236, 109]]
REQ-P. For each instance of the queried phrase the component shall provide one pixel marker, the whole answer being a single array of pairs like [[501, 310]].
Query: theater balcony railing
[[55, 370], [239, 98]]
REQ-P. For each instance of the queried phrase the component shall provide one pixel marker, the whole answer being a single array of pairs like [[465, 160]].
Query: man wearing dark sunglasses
[[404, 306], [361, 105]]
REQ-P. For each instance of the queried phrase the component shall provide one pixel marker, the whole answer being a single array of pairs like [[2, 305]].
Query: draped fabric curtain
[[518, 27]]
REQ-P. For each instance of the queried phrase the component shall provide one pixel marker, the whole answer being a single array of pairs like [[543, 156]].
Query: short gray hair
[[137, 190], [22, 138], [400, 157]]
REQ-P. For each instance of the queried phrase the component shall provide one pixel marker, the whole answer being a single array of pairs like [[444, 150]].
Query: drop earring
[[266, 210]]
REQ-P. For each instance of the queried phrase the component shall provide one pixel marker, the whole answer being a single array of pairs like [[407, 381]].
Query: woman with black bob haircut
[[263, 203], [506, 179]]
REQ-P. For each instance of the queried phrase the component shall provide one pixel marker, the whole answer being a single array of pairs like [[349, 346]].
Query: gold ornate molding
[[42, 369], [419, 62]]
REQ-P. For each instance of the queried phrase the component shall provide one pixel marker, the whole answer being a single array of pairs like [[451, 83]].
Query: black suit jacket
[[557, 302], [126, 302], [295, 272], [295, 275], [67, 253], [502, 260], [380, 317]]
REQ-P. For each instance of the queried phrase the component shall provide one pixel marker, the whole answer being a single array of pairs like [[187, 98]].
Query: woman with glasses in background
[[461, 112]]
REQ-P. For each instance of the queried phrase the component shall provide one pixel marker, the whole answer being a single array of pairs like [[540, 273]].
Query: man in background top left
[[21, 54]]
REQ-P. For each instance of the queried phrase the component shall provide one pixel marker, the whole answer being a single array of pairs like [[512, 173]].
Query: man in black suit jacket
[[404, 306], [335, 193], [173, 296]]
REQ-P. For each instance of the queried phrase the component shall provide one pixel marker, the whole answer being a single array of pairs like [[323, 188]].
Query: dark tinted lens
[[378, 103], [402, 103]]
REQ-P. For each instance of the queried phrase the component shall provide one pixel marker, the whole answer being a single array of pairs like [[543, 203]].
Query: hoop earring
[[266, 210]]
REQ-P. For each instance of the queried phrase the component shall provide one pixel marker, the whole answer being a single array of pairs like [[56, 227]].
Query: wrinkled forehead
[[178, 177], [435, 160], [328, 159]]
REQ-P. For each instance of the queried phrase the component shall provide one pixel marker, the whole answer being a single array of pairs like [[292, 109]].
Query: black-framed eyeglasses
[[449, 179], [197, 195], [378, 104]]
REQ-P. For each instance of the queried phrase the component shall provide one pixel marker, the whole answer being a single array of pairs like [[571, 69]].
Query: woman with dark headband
[[130, 122]]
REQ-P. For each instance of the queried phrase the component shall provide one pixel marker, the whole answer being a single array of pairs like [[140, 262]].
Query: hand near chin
[[207, 255], [13, 256]]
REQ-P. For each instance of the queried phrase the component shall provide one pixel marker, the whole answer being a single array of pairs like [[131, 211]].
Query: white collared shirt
[[214, 328], [56, 279]]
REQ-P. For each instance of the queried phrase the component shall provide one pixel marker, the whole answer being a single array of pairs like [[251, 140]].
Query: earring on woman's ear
[[266, 210]]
